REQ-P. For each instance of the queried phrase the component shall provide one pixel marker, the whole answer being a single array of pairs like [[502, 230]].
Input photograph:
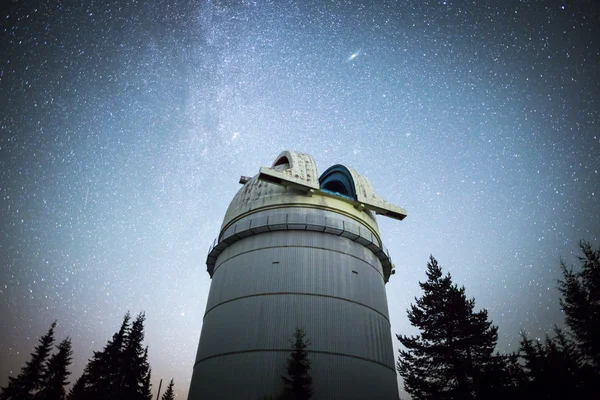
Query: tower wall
[[267, 284]]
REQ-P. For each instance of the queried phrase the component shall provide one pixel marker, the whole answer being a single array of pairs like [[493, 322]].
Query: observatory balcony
[[300, 221]]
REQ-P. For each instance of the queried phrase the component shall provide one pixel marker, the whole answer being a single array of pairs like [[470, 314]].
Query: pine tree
[[568, 366], [57, 371], [453, 355], [29, 380], [499, 378], [146, 390], [104, 372], [553, 368], [581, 304], [169, 394], [136, 370], [298, 384], [517, 378], [78, 391]]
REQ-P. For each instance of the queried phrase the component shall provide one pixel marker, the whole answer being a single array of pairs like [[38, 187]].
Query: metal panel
[[296, 221], [220, 246], [258, 374], [277, 222], [334, 226], [267, 322], [228, 233], [365, 236], [314, 222], [300, 239], [314, 217], [249, 376], [243, 225], [350, 230], [259, 224], [328, 224], [229, 236], [302, 270], [242, 228]]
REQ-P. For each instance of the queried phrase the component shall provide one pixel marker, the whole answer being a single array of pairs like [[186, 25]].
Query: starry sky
[[124, 128]]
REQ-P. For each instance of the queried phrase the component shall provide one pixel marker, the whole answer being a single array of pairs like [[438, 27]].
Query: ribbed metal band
[[300, 222], [296, 294], [291, 246], [288, 351]]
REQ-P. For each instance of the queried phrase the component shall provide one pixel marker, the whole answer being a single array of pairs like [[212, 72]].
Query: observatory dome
[[259, 193]]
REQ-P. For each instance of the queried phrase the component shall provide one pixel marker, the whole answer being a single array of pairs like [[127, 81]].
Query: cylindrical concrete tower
[[296, 250]]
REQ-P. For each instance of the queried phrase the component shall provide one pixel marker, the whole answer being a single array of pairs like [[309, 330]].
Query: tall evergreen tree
[[57, 371], [30, 379], [169, 394], [553, 368], [580, 301], [498, 378], [78, 390], [104, 372], [298, 383], [568, 366], [453, 355], [146, 390], [136, 370]]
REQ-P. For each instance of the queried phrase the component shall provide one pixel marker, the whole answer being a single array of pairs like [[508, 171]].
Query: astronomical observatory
[[298, 250]]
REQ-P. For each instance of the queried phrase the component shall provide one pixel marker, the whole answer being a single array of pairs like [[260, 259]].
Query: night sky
[[124, 128]]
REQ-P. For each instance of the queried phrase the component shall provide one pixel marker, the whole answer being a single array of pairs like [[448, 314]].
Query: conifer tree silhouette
[[567, 365], [135, 382], [452, 357], [298, 384], [169, 394], [580, 301], [104, 371], [78, 390], [23, 386], [57, 372]]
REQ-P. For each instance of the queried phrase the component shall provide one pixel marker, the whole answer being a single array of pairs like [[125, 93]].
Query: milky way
[[125, 128]]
